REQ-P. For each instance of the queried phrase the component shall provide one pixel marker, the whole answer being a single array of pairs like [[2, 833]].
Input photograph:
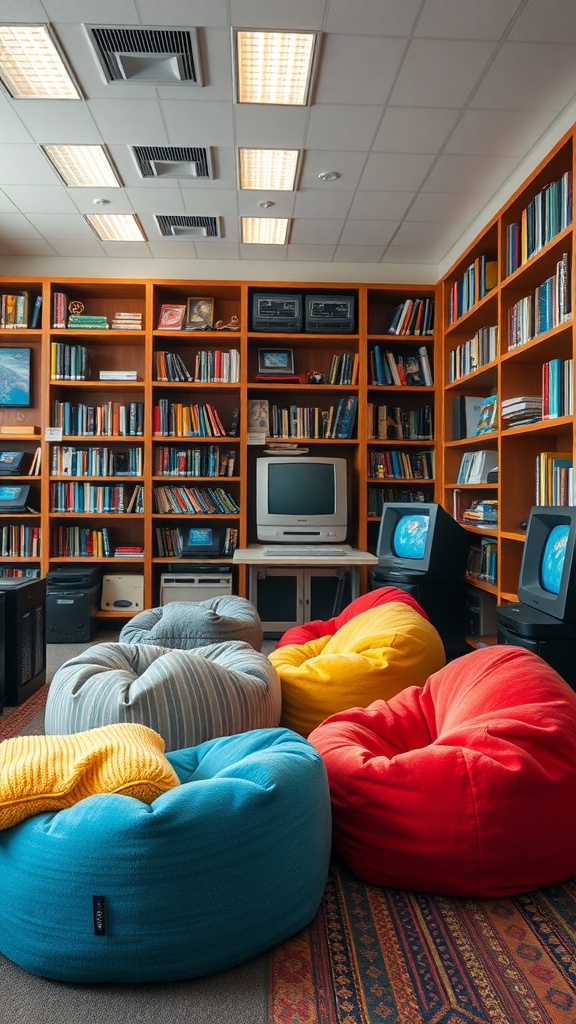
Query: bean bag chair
[[213, 872], [189, 624], [326, 627], [185, 696], [464, 786], [373, 654]]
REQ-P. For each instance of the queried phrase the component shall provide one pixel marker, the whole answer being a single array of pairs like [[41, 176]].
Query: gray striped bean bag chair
[[189, 624], [186, 696]]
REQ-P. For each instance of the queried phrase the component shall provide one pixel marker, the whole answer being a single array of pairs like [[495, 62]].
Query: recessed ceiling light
[[269, 169], [328, 175], [116, 227], [274, 67], [31, 66], [265, 230], [83, 166]]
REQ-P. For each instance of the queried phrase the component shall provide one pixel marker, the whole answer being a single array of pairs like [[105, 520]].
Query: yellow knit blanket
[[47, 773]]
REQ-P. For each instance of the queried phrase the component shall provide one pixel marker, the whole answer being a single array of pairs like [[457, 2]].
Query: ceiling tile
[[437, 70], [351, 127], [228, 250], [379, 59], [15, 225], [77, 247], [268, 127], [13, 128], [546, 21], [368, 232], [466, 19], [409, 254], [314, 253], [517, 76], [377, 17], [384, 205], [25, 165], [349, 166], [298, 14], [122, 121], [481, 174], [39, 198], [45, 122], [395, 171], [61, 225], [414, 129], [178, 12], [497, 132], [358, 254], [309, 231], [325, 202]]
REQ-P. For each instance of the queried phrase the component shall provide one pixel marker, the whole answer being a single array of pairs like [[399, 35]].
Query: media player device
[[329, 313], [280, 312], [122, 593]]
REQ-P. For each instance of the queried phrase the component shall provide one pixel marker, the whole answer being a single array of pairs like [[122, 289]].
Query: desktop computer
[[24, 662], [72, 599]]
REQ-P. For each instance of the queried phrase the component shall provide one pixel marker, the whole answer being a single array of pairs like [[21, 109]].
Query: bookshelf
[[526, 324]]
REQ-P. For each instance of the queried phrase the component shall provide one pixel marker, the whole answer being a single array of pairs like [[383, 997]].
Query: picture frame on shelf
[[15, 377], [199, 314], [171, 316], [275, 360]]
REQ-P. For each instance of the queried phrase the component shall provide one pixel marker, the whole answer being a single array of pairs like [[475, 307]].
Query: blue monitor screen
[[553, 557], [200, 536], [409, 540]]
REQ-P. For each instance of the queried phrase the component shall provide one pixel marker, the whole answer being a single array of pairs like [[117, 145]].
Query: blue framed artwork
[[15, 367]]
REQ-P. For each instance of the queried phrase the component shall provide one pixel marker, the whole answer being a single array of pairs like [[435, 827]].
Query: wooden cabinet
[[508, 342]]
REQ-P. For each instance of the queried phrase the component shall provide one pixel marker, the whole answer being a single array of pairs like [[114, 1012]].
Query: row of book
[[85, 496], [546, 307], [17, 310], [472, 354], [378, 496], [213, 366], [391, 423], [20, 541], [174, 419], [88, 322], [396, 369], [477, 280], [194, 500], [557, 388], [205, 460], [547, 214], [112, 419], [344, 368], [413, 316], [338, 421], [81, 542], [69, 362], [169, 541], [554, 478], [67, 460], [13, 572], [483, 561], [401, 465]]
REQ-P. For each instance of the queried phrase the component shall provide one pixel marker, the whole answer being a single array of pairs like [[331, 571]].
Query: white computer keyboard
[[304, 551]]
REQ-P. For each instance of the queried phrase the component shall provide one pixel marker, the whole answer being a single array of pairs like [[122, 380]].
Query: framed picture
[[171, 317], [15, 365], [199, 314], [275, 360]]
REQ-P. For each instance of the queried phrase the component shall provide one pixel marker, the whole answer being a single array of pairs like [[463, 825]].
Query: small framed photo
[[15, 366], [199, 315], [171, 317], [275, 360]]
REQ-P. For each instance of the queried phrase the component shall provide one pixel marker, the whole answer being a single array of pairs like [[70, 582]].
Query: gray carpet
[[236, 996]]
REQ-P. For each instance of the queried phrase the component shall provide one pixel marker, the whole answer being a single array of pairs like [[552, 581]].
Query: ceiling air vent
[[158, 55], [185, 226], [173, 162]]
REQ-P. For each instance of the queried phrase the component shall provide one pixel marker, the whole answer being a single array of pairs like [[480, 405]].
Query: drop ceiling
[[429, 112]]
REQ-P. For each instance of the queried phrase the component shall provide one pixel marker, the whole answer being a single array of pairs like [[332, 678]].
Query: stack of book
[[127, 322], [117, 375], [481, 513], [524, 409], [87, 322]]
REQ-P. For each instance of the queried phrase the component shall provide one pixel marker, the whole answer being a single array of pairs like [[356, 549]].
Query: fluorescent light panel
[[83, 166], [270, 169], [274, 67], [116, 227], [30, 65], [265, 230]]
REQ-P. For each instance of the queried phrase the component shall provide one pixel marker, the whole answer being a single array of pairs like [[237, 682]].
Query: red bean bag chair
[[465, 786], [373, 599]]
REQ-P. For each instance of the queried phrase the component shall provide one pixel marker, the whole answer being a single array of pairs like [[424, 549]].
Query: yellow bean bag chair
[[374, 655]]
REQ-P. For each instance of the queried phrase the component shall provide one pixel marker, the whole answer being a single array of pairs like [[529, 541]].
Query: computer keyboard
[[304, 551]]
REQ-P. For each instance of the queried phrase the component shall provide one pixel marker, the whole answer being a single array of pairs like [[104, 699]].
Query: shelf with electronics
[[22, 410], [400, 459], [515, 342]]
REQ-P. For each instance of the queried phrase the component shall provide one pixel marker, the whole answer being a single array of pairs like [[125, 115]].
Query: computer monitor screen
[[202, 542], [409, 538], [553, 558], [547, 579], [301, 498], [421, 538]]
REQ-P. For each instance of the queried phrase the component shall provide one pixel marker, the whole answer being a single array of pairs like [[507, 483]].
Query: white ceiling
[[424, 108]]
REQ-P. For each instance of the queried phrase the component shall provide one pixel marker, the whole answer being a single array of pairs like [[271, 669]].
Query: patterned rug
[[384, 956], [28, 718]]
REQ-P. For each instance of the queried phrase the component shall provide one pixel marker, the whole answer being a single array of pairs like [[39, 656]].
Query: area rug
[[28, 718], [384, 956]]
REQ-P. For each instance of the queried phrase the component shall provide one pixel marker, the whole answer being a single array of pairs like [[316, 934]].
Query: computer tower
[[25, 625], [444, 602], [522, 626], [72, 600]]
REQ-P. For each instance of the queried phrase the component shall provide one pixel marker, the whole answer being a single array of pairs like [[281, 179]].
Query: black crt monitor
[[202, 542], [547, 579], [422, 539]]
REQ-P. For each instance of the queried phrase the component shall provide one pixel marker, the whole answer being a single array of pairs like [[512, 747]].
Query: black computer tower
[[444, 602], [522, 626], [24, 638], [72, 603], [2, 649]]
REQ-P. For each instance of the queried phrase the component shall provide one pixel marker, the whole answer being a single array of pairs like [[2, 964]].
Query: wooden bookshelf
[[514, 370]]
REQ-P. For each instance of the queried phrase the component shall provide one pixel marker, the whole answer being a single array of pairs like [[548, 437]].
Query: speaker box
[[122, 593]]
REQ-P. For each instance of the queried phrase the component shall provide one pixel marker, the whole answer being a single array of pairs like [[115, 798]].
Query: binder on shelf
[[465, 415]]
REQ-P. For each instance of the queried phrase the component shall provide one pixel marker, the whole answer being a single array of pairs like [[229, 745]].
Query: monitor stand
[[553, 640]]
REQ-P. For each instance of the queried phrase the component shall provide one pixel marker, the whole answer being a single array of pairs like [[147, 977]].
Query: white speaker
[[122, 592]]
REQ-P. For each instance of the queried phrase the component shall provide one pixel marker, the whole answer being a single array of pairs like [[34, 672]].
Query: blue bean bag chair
[[213, 872]]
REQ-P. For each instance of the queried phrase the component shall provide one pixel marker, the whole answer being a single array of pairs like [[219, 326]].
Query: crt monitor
[[547, 580], [202, 542], [301, 498], [421, 538]]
